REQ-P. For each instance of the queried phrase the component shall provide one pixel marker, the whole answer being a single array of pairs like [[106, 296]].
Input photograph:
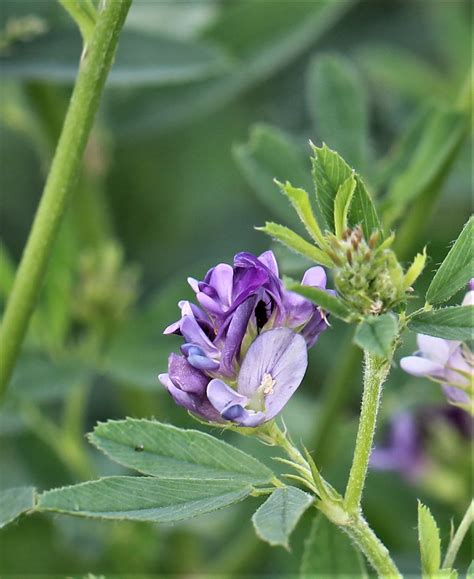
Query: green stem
[[458, 538], [332, 506], [375, 373], [93, 71]]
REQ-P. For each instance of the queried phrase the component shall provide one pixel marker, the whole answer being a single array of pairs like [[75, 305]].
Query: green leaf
[[299, 198], [14, 502], [321, 298], [276, 518], [342, 203], [142, 59], [376, 334], [165, 451], [453, 323], [470, 571], [430, 542], [338, 105], [271, 154], [441, 137], [329, 553], [330, 171], [456, 269], [415, 269], [295, 242], [144, 498]]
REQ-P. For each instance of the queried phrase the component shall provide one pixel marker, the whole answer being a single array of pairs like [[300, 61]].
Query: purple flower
[[245, 349], [406, 449], [446, 361]]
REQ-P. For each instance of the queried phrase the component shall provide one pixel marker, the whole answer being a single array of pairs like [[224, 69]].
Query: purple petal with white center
[[418, 366], [281, 354], [183, 375]]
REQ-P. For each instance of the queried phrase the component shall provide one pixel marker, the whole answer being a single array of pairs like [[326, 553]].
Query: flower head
[[245, 349], [449, 362]]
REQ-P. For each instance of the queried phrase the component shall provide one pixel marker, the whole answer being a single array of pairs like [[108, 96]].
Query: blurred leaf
[[165, 451], [39, 378], [268, 155], [404, 73], [262, 41], [295, 242], [439, 141], [456, 269], [329, 553], [338, 105], [376, 334], [430, 542], [322, 298], [142, 59], [14, 502], [276, 518], [470, 571], [143, 498], [452, 323], [330, 171]]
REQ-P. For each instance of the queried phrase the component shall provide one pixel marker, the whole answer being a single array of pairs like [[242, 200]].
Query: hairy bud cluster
[[367, 275]]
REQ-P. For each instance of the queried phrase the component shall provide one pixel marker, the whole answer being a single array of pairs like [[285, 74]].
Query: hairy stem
[[94, 68], [376, 370], [458, 538], [332, 506]]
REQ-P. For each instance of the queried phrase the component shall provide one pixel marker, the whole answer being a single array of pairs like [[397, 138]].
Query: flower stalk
[[375, 373], [94, 68], [458, 538]]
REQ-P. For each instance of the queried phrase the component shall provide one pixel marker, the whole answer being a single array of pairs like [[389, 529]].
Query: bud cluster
[[367, 275]]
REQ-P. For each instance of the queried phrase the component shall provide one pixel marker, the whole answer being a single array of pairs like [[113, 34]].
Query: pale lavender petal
[[235, 334], [210, 304], [469, 297], [250, 418], [203, 363], [194, 284], [280, 353], [222, 396], [315, 277], [456, 395], [418, 366], [435, 349], [470, 285], [192, 332], [173, 328], [221, 279], [269, 260], [183, 375], [457, 368]]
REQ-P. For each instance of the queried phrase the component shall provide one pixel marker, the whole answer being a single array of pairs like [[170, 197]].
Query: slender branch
[[93, 71], [458, 538], [376, 370]]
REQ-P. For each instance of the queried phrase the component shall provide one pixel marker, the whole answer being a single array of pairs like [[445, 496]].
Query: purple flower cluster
[[447, 361], [245, 350], [406, 449]]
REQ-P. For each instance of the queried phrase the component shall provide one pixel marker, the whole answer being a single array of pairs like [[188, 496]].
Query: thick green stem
[[376, 370], [94, 68], [458, 538], [375, 551], [332, 506]]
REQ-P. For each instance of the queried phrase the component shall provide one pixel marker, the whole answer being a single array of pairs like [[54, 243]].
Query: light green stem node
[[94, 68]]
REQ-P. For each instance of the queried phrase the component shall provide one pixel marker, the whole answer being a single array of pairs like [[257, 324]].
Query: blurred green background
[[207, 102]]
